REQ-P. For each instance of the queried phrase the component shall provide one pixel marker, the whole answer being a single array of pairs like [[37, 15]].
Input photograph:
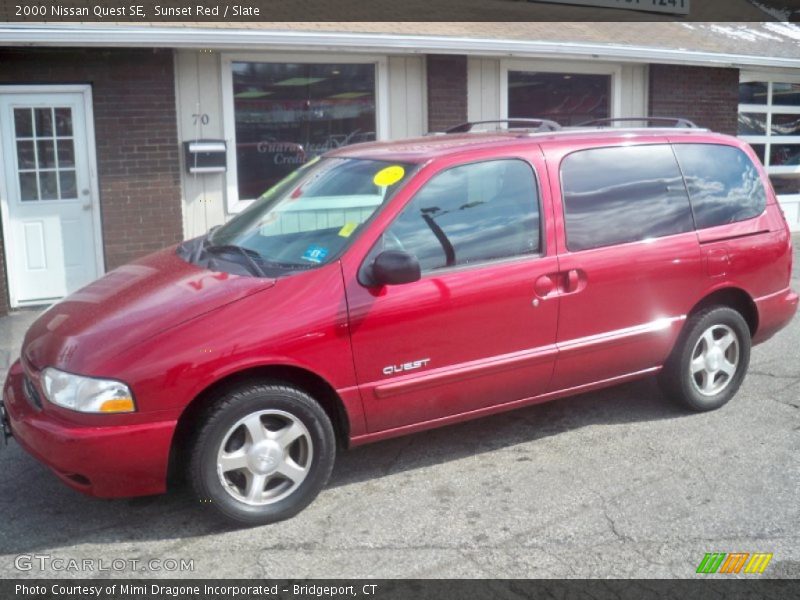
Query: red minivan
[[391, 287]]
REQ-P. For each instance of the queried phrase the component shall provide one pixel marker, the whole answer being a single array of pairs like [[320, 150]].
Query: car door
[[629, 256], [477, 329]]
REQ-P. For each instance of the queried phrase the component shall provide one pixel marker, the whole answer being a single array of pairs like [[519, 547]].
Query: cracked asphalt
[[618, 483]]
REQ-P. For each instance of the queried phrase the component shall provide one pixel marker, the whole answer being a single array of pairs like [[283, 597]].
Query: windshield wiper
[[255, 268]]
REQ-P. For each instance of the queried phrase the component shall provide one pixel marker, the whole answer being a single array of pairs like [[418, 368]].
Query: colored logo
[[729, 564]]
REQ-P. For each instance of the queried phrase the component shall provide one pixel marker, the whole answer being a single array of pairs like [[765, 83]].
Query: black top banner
[[260, 11]]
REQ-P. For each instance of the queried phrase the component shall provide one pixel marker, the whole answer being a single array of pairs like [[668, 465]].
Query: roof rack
[[676, 122], [537, 125]]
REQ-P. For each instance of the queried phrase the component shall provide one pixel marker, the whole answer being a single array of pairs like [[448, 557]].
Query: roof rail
[[676, 122], [537, 124]]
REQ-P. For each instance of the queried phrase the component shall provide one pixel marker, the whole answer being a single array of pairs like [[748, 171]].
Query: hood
[[127, 306]]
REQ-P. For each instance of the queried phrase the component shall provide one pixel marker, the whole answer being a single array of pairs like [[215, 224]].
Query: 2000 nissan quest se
[[387, 288]]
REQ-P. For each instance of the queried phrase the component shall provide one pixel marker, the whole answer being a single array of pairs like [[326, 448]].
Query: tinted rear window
[[623, 194], [724, 185]]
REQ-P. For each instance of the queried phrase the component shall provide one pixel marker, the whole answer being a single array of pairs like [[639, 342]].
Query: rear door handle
[[573, 281]]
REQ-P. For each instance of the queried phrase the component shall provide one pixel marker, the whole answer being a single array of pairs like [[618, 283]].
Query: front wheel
[[263, 453], [709, 361]]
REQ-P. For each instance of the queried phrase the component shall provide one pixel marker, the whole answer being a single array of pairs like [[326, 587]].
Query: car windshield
[[309, 217]]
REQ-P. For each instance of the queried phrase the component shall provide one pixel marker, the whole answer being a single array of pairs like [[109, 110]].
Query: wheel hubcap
[[264, 457], [715, 360]]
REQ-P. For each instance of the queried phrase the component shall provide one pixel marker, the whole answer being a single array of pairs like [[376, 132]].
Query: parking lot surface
[[617, 483]]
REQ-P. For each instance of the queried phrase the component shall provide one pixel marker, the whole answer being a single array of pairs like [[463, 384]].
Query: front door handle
[[544, 286]]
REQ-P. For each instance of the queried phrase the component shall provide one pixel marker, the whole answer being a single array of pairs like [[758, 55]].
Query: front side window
[[288, 113], [308, 218], [623, 194], [469, 214], [724, 185]]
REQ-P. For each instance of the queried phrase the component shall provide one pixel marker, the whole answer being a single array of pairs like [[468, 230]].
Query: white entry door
[[49, 201]]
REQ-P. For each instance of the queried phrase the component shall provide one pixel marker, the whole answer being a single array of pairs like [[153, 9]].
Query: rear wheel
[[263, 453], [710, 359]]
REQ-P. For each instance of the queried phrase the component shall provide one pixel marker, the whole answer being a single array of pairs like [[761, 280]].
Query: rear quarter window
[[723, 183], [623, 194]]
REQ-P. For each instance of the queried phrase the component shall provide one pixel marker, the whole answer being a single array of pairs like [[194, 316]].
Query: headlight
[[87, 394]]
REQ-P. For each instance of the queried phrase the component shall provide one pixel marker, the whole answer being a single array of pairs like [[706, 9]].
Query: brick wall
[[136, 135], [447, 91], [707, 96]]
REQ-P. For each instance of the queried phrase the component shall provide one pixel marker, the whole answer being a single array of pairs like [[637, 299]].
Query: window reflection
[[752, 123], [723, 183], [784, 155], [785, 124], [568, 98], [753, 92], [619, 195], [471, 213], [288, 113]]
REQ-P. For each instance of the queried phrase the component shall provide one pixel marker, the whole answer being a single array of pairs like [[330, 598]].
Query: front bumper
[[104, 461]]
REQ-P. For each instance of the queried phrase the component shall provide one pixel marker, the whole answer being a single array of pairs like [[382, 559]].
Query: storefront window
[[289, 113], [568, 98], [769, 120]]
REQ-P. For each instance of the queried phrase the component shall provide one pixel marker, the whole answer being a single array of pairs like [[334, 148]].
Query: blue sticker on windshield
[[315, 254]]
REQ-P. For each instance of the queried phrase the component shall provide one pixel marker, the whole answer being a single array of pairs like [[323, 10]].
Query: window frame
[[567, 68], [233, 203], [363, 279], [666, 143]]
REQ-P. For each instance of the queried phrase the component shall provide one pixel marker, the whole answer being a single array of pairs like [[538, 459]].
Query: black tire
[[677, 378], [276, 407]]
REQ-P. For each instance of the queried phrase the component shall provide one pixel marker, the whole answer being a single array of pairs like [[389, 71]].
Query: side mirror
[[395, 267]]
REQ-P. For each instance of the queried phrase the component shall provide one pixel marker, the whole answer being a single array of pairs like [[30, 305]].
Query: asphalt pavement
[[617, 483]]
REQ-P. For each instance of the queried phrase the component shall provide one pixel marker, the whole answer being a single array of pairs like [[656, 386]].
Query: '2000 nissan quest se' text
[[391, 287]]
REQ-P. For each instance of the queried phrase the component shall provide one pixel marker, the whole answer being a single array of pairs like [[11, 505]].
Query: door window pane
[[66, 153], [288, 113], [753, 93], [43, 118], [785, 124], [46, 151], [28, 189], [568, 98], [724, 185], [69, 187], [468, 214], [63, 122], [752, 123], [786, 94], [23, 122], [48, 185], [624, 194], [784, 155], [26, 156]]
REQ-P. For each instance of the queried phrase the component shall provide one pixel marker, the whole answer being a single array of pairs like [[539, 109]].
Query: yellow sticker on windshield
[[389, 176], [348, 229]]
